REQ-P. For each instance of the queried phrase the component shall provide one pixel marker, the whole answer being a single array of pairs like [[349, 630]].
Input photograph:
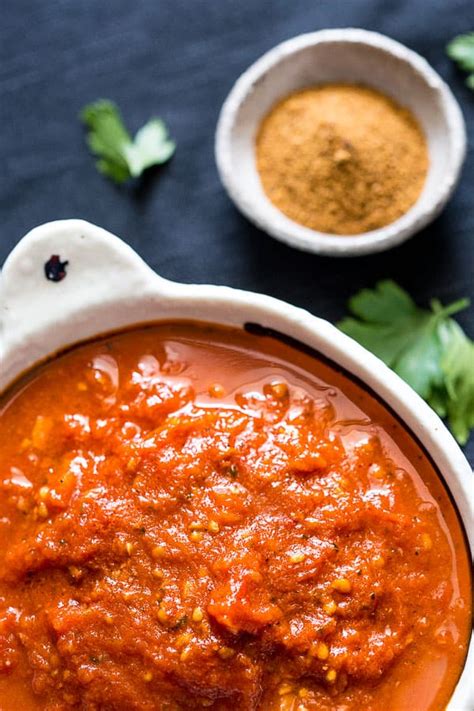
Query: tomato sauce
[[194, 517]]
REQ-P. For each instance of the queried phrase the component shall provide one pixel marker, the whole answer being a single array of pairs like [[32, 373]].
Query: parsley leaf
[[461, 50], [458, 365], [120, 156], [425, 347]]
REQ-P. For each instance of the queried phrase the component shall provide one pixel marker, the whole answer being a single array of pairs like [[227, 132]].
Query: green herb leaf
[[461, 50], [120, 156], [470, 81], [425, 347], [457, 363]]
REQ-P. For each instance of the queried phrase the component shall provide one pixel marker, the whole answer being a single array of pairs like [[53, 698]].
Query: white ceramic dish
[[108, 287], [343, 55]]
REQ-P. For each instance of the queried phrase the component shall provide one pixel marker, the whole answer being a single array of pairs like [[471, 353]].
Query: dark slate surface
[[179, 58]]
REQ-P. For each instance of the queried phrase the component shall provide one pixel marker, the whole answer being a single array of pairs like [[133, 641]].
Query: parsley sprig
[[427, 348], [461, 50], [120, 156]]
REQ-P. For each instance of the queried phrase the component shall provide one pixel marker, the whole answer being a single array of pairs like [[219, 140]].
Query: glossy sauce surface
[[193, 517]]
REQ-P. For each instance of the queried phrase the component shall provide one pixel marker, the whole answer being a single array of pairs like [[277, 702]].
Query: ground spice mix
[[343, 159]]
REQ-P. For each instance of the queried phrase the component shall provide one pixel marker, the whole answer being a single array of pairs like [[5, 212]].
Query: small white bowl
[[342, 55]]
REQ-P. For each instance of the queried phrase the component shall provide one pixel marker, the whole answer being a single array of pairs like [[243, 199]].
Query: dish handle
[[55, 281]]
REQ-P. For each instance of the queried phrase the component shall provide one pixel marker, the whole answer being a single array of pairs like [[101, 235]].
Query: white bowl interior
[[351, 56]]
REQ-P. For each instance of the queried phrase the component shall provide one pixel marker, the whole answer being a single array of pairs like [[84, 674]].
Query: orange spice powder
[[342, 159]]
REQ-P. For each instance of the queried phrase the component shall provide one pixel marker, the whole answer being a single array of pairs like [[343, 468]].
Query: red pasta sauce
[[197, 517]]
